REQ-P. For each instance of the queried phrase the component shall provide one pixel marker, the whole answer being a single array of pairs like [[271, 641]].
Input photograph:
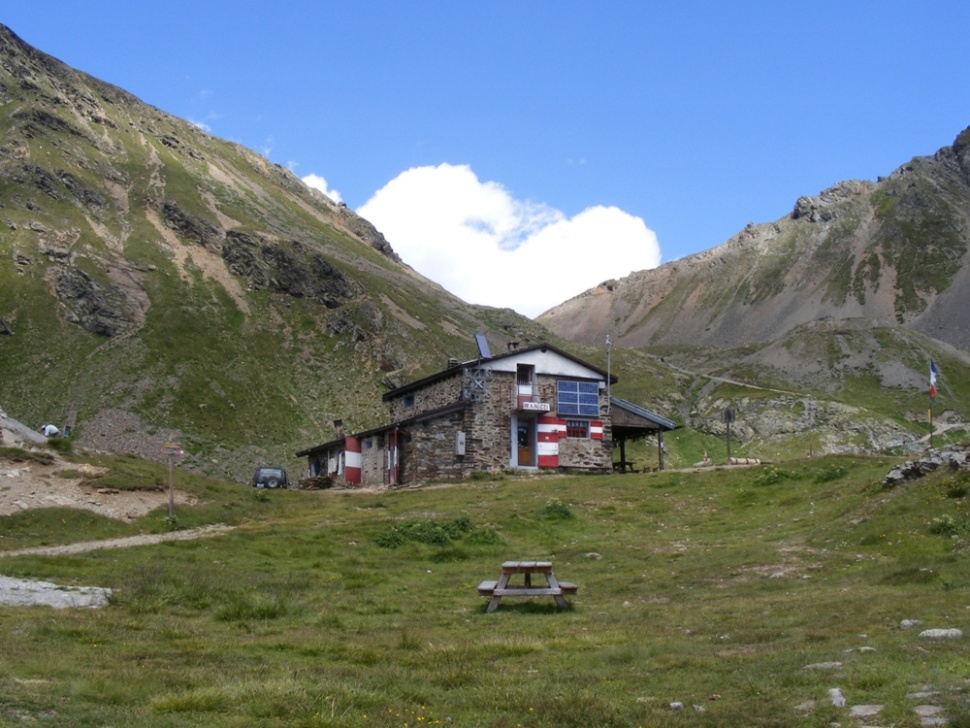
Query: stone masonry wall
[[489, 434], [429, 453], [439, 394]]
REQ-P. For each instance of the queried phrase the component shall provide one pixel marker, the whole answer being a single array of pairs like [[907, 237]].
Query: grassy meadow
[[744, 595]]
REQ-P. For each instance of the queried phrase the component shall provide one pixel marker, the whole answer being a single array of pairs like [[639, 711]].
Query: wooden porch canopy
[[631, 422]]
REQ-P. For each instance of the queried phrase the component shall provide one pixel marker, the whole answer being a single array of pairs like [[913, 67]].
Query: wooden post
[[173, 451], [727, 416], [171, 486]]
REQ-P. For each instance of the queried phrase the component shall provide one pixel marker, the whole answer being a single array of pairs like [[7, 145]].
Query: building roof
[[461, 366], [660, 423], [430, 414]]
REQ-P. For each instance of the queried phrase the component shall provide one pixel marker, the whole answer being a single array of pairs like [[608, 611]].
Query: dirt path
[[32, 484], [144, 539]]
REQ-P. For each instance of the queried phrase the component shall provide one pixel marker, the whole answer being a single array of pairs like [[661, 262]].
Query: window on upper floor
[[408, 402], [577, 398]]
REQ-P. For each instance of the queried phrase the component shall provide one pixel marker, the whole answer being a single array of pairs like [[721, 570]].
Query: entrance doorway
[[525, 436]]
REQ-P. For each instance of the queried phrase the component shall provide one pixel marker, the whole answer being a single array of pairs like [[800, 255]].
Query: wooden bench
[[501, 588], [488, 589]]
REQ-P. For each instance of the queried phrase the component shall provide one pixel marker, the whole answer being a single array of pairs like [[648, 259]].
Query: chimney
[[338, 427], [452, 363], [513, 346]]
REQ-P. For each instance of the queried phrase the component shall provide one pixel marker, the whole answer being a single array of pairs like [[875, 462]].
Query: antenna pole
[[609, 351]]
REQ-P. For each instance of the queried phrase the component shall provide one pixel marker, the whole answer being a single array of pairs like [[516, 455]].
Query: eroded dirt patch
[[31, 484]]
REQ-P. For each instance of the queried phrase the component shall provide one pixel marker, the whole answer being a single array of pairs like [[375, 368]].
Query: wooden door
[[526, 438]]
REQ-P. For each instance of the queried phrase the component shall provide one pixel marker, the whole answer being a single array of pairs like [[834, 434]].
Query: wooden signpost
[[727, 417], [173, 451]]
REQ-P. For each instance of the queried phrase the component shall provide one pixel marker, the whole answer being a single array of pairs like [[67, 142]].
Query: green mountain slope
[[165, 284], [840, 303], [896, 251]]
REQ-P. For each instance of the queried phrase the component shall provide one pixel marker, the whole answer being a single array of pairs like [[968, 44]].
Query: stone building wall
[[439, 394], [429, 452], [489, 434]]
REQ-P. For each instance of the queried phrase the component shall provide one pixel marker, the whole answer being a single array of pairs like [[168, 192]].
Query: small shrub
[[745, 497], [483, 537], [830, 473], [948, 526], [60, 444], [771, 475], [956, 491], [429, 532], [556, 510], [768, 476]]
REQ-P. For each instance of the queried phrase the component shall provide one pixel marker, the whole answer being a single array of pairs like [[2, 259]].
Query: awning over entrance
[[631, 422]]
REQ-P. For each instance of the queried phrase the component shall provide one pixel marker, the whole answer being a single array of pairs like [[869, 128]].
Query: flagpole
[[933, 373]]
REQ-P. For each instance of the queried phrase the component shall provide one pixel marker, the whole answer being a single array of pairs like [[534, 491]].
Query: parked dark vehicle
[[270, 478]]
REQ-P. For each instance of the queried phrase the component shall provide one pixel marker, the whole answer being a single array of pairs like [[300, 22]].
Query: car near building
[[270, 477]]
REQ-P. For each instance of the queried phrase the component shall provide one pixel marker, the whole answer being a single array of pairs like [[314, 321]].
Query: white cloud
[[319, 183], [488, 248]]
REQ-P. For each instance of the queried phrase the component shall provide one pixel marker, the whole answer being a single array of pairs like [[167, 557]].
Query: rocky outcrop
[[292, 268], [95, 307], [955, 458], [190, 227]]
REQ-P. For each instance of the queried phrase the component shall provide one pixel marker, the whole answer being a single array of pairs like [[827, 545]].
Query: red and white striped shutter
[[595, 430], [550, 428], [353, 460]]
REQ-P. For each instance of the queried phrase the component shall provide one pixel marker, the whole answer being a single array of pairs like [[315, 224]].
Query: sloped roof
[[658, 422], [429, 415], [456, 370]]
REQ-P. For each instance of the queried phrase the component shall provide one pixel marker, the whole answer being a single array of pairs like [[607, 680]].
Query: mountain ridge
[[894, 251], [166, 284]]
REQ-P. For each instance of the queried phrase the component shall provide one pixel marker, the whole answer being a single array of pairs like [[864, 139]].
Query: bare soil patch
[[62, 484]]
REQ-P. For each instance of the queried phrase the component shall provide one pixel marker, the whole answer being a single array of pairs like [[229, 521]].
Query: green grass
[[714, 589]]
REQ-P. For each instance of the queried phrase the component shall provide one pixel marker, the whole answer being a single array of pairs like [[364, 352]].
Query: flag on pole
[[933, 373]]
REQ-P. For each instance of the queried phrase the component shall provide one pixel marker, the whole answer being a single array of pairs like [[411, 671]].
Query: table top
[[526, 567]]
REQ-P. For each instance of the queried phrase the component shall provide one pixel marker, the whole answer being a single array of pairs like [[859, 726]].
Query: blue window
[[578, 398]]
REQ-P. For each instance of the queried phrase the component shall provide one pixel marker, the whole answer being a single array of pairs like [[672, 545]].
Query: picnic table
[[502, 588]]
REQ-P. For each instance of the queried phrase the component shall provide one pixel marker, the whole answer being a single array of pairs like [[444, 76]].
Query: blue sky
[[521, 153]]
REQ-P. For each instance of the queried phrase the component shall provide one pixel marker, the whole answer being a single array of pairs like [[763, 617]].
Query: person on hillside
[[49, 431]]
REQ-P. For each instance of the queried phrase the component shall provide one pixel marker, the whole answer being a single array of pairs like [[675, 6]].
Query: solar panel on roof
[[483, 351]]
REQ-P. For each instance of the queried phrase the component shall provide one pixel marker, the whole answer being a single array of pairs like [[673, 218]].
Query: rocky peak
[[824, 207]]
